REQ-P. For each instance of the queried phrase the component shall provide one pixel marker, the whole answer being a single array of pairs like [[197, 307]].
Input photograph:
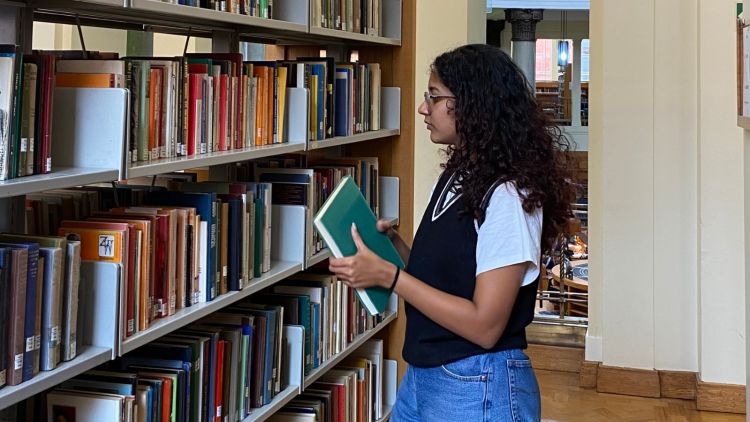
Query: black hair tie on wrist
[[395, 278]]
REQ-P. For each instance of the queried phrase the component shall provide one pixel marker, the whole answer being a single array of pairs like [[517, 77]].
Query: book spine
[[30, 315], [70, 299], [51, 310]]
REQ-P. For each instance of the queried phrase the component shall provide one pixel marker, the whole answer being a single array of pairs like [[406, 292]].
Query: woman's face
[[437, 109]]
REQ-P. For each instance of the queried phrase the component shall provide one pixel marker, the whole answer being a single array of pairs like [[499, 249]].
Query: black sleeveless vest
[[443, 255]]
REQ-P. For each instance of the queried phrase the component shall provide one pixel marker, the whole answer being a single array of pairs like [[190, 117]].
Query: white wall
[[721, 243], [666, 205], [441, 26]]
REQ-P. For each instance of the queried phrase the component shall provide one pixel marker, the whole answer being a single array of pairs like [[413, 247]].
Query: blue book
[[209, 380], [319, 70], [32, 336], [234, 243], [342, 126], [270, 372]]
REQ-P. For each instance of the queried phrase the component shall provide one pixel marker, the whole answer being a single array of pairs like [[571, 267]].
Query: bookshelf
[[185, 316], [62, 177], [89, 358], [336, 359], [79, 161]]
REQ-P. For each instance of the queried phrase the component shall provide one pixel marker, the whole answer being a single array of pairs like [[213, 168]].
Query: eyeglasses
[[431, 99]]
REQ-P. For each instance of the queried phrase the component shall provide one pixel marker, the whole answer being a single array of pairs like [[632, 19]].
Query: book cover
[[5, 303], [345, 206], [31, 353]]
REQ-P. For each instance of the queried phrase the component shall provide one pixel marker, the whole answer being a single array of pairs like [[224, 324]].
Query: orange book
[[260, 108], [145, 270], [87, 80], [97, 244]]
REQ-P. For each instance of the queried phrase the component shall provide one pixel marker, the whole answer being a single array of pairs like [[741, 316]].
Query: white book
[[7, 65], [82, 406], [374, 96], [203, 286], [51, 307]]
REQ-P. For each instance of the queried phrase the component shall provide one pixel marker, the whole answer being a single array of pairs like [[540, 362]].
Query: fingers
[[383, 225], [357, 239]]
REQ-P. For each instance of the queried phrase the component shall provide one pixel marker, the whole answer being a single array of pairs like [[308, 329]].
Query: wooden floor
[[563, 400]]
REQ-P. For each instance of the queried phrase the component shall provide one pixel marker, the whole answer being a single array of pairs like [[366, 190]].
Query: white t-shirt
[[509, 235]]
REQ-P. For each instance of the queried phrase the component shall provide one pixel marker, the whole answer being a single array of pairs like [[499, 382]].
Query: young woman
[[473, 268]]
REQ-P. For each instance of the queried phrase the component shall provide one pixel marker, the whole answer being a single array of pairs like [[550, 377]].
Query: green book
[[345, 206]]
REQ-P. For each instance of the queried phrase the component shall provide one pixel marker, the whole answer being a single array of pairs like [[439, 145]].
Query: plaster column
[[523, 22]]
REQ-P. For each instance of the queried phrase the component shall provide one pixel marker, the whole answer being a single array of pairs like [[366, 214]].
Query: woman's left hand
[[364, 269]]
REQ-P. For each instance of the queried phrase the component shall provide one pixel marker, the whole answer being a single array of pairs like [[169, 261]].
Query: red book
[[223, 115], [219, 378]]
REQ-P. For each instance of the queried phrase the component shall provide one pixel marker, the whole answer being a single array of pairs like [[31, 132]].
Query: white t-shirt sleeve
[[509, 235]]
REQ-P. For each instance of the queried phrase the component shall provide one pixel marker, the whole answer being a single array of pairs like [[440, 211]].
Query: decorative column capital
[[523, 22]]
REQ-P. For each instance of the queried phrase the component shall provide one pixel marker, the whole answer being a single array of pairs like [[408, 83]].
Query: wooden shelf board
[[743, 122], [279, 271]]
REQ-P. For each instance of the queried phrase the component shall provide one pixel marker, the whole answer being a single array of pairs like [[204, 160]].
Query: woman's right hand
[[385, 226]]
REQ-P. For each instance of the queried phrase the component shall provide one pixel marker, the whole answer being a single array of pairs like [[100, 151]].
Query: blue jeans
[[498, 386]]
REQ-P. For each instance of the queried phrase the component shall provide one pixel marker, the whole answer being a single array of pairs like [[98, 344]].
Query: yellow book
[[282, 115]]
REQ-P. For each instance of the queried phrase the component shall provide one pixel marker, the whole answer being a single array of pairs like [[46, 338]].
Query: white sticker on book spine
[[106, 246], [224, 271], [72, 349], [24, 144], [2, 378], [131, 325], [29, 343], [37, 342], [18, 362], [54, 334], [218, 412]]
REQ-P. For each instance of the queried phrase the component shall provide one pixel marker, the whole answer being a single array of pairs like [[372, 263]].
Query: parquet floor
[[564, 401]]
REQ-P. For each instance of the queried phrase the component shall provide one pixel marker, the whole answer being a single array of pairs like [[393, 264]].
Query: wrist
[[395, 277], [391, 233]]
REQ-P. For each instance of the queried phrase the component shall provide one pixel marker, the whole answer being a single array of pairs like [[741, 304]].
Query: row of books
[[39, 278], [175, 249], [26, 91], [257, 8], [182, 106], [350, 392], [229, 363], [309, 182], [358, 16], [181, 242]]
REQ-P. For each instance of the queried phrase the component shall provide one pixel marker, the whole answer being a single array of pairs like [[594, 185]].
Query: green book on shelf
[[345, 206]]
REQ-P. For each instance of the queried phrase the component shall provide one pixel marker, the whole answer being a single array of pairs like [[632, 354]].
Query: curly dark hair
[[503, 134]]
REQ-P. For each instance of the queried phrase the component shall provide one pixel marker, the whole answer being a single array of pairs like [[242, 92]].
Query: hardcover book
[[345, 206]]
